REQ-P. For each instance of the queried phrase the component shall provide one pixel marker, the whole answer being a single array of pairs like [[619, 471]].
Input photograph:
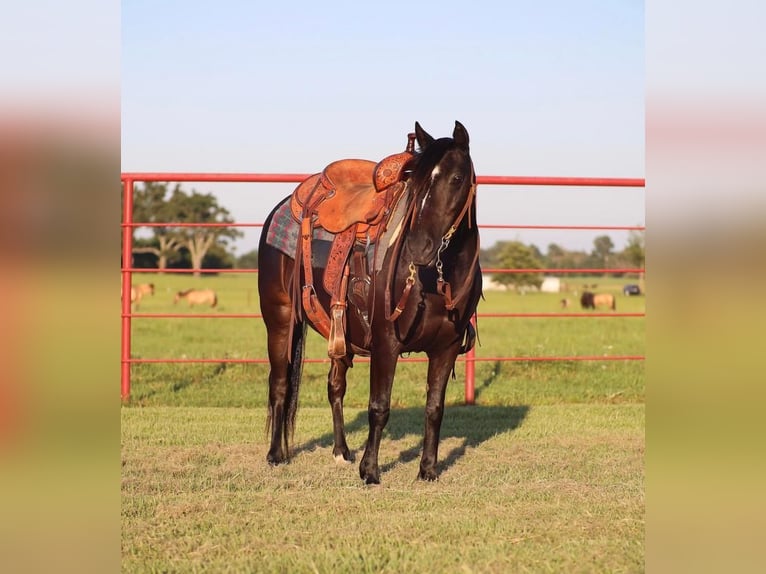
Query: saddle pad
[[393, 229], [284, 230]]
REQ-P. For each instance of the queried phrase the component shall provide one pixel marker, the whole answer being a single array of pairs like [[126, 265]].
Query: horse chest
[[427, 324]]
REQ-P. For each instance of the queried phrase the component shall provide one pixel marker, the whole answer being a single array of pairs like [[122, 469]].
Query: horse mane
[[185, 293]]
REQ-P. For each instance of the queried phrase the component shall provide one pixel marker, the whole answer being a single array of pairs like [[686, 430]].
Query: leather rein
[[442, 286]]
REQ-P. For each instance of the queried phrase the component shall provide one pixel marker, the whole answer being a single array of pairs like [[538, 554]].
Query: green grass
[[544, 474], [522, 489], [497, 382]]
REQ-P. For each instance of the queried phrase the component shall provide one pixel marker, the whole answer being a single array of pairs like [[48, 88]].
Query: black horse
[[422, 295]]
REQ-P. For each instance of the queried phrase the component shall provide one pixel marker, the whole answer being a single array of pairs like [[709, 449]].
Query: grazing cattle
[[590, 300], [606, 300], [197, 297], [137, 292]]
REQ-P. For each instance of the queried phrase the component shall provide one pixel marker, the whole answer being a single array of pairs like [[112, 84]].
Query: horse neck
[[459, 259], [461, 256]]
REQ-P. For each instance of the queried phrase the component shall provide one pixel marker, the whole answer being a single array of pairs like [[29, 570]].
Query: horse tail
[[614, 303], [294, 375], [215, 300]]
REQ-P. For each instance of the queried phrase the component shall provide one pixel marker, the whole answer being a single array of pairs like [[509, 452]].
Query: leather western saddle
[[351, 199]]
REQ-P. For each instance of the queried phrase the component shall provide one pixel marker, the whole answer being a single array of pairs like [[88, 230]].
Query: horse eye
[[457, 178]]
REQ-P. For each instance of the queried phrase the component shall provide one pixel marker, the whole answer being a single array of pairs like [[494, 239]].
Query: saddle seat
[[350, 191], [351, 199]]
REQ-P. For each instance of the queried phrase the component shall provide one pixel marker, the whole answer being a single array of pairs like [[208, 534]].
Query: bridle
[[442, 286]]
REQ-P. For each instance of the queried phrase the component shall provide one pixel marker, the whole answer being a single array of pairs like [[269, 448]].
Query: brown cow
[[137, 292], [590, 300], [197, 297]]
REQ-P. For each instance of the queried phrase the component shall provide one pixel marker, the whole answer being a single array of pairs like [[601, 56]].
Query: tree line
[[517, 255], [169, 246]]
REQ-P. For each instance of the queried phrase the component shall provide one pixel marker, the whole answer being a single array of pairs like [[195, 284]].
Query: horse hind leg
[[284, 385], [336, 391], [276, 415]]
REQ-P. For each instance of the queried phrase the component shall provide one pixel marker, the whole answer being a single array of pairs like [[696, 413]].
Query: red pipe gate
[[127, 270]]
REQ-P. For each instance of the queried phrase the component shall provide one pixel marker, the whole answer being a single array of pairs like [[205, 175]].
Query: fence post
[[127, 264], [470, 370]]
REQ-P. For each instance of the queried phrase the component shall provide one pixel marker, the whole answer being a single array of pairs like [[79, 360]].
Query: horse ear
[[424, 139], [460, 135]]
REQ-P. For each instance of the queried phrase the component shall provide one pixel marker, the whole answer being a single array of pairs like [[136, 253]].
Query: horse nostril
[[428, 246]]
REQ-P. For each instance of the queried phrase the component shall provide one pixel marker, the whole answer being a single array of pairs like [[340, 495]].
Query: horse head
[[442, 185]]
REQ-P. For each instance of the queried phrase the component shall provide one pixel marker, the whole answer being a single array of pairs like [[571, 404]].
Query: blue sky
[[544, 88]]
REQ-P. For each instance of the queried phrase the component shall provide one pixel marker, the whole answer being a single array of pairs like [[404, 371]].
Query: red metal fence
[[129, 179]]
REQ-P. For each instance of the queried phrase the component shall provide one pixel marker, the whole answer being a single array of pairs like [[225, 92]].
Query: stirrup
[[336, 341]]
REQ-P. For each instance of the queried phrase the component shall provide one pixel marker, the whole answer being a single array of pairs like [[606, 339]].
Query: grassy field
[[544, 474], [497, 382]]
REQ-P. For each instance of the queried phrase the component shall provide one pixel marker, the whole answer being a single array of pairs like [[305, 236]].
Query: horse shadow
[[472, 425]]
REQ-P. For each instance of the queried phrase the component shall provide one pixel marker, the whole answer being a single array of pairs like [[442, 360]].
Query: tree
[[536, 253], [150, 206], [555, 251], [489, 257], [200, 208], [555, 256], [248, 260], [602, 249], [560, 258], [516, 255], [635, 251]]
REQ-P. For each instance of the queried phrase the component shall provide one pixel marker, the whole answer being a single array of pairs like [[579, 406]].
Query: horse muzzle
[[422, 254]]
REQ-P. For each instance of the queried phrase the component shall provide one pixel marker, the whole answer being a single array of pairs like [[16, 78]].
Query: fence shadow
[[472, 424]]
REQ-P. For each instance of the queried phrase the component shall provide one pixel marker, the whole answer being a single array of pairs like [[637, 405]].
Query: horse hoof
[[370, 477], [342, 454], [275, 460], [371, 480], [343, 458], [428, 476]]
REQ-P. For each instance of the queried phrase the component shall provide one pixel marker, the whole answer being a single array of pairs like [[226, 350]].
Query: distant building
[[551, 285]]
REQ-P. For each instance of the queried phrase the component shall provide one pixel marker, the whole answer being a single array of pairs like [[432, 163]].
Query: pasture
[[544, 473]]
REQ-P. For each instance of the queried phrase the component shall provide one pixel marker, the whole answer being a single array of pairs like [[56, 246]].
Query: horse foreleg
[[382, 368], [439, 368], [336, 391]]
